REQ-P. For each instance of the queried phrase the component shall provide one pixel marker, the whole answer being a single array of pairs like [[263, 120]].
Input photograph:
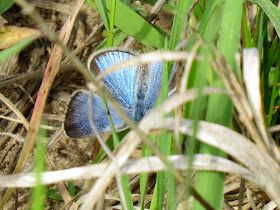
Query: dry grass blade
[[133, 166], [251, 75], [15, 110], [64, 8], [15, 137], [61, 187], [270, 206], [239, 98], [188, 66], [251, 199]]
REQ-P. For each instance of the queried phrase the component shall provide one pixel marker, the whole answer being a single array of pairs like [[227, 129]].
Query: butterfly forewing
[[121, 83]]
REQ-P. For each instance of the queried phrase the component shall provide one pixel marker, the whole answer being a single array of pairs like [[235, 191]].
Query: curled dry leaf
[[10, 35]]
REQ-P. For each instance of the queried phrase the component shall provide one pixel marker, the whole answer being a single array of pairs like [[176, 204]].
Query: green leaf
[[271, 11], [103, 12], [4, 54], [5, 5], [38, 192], [54, 194], [210, 185], [71, 188], [182, 10], [134, 25]]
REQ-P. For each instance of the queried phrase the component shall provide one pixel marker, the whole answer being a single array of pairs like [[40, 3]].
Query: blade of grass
[[119, 36], [198, 11], [274, 93], [110, 37], [164, 144], [146, 152], [108, 19], [246, 28], [271, 11], [212, 190], [38, 192], [265, 65], [258, 36], [179, 22], [180, 17], [127, 192], [134, 25], [199, 77], [102, 9], [4, 54]]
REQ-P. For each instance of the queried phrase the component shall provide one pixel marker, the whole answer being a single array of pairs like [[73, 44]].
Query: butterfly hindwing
[[155, 84], [77, 124]]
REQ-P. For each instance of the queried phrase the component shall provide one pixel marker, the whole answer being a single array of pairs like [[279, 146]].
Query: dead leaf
[[10, 35]]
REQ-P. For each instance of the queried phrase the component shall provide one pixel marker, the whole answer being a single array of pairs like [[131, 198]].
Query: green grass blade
[[266, 65], [124, 178], [198, 11], [71, 188], [230, 31], [154, 202], [246, 28], [134, 25], [258, 35], [102, 9], [38, 192], [158, 197], [110, 37], [108, 19], [119, 37], [274, 92], [5, 5], [144, 177], [127, 191], [179, 21], [4, 54], [200, 75], [171, 189], [112, 143], [272, 12], [164, 145], [112, 15], [212, 191]]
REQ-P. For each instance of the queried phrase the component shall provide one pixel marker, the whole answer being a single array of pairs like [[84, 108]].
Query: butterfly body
[[136, 89]]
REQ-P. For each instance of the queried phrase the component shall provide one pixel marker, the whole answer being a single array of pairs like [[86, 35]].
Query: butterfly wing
[[156, 70], [77, 123], [121, 83]]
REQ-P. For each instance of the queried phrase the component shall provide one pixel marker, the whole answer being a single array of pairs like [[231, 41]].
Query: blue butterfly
[[136, 89]]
